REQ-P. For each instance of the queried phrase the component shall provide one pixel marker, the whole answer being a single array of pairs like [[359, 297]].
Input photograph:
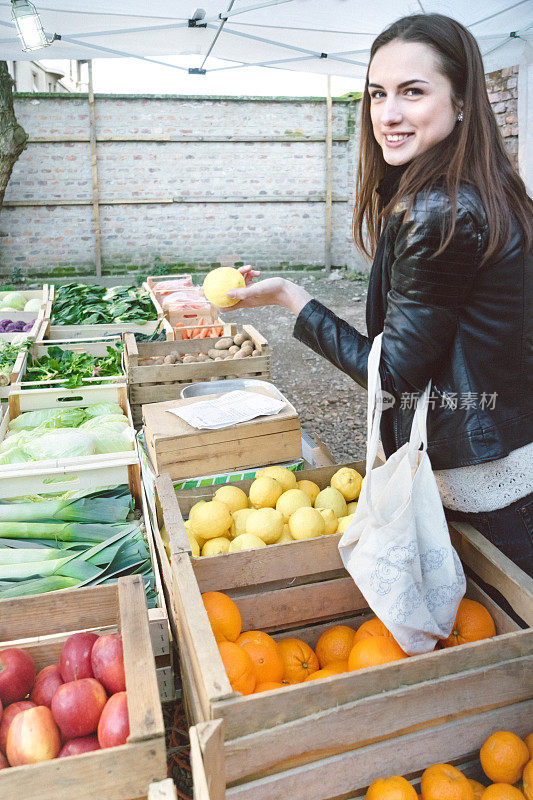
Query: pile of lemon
[[277, 509]]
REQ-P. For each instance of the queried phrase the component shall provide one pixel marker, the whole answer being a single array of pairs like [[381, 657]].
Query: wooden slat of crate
[[116, 773]]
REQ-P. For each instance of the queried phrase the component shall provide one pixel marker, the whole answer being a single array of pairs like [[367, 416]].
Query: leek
[[62, 531], [24, 556], [37, 586], [104, 505]]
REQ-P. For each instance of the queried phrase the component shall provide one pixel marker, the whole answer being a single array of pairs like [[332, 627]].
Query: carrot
[[220, 331], [205, 333]]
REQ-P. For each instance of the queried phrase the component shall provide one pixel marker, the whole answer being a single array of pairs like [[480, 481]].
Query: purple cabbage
[[8, 326]]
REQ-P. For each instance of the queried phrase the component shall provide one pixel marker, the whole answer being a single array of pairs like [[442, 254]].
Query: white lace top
[[489, 486]]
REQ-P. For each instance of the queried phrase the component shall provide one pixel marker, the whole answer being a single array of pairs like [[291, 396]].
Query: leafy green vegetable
[[74, 366], [78, 304], [102, 505]]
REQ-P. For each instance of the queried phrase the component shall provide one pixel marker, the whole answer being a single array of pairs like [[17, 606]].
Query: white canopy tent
[[321, 36]]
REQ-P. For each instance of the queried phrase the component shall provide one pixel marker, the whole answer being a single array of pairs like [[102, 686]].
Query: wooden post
[[94, 167], [329, 126]]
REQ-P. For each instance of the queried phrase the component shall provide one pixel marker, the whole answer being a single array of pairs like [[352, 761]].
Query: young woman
[[450, 227]]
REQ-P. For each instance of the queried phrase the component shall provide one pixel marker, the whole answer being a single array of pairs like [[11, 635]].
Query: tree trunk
[[13, 137]]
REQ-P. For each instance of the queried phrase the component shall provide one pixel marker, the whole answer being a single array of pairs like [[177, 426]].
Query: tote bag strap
[[418, 437]]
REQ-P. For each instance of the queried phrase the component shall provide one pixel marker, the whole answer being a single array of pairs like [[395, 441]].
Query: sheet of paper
[[228, 409]]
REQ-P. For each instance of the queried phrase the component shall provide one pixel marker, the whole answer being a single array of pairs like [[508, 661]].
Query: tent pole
[[329, 126], [94, 167]]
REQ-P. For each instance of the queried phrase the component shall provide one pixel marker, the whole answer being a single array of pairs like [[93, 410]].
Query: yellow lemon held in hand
[[306, 523], [344, 522], [330, 520], [348, 482], [245, 542], [290, 501], [210, 519], [266, 523], [232, 496], [285, 536], [332, 498], [239, 519], [310, 488], [190, 531], [281, 474], [218, 283], [213, 547], [264, 492]]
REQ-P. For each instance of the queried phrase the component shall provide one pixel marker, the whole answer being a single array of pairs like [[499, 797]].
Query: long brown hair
[[473, 152]]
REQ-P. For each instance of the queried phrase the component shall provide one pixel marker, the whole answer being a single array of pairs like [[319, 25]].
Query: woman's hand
[[270, 292]]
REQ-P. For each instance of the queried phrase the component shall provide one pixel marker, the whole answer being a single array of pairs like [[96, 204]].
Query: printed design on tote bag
[[432, 559], [420, 637], [440, 596], [389, 567], [406, 602]]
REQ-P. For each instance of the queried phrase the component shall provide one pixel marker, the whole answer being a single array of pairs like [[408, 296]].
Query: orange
[[529, 741], [393, 788], [444, 782], [372, 627], [502, 791], [299, 660], [223, 615], [374, 651], [527, 779], [335, 644], [473, 622], [267, 686], [477, 787], [503, 757], [263, 650], [335, 668], [239, 667]]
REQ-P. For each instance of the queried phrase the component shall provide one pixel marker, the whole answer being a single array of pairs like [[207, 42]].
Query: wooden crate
[[154, 384], [34, 399], [177, 316], [40, 625], [176, 447], [62, 478], [29, 294], [96, 347], [457, 741], [319, 728]]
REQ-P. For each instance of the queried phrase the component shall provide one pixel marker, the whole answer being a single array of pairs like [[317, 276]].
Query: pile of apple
[[65, 709]]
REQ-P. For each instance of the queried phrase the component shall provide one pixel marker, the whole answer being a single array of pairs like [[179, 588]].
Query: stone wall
[[168, 198], [502, 87]]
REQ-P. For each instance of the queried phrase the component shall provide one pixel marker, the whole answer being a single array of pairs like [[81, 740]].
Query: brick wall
[[55, 239], [502, 87]]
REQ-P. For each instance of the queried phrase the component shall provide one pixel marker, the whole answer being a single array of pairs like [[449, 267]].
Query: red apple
[[47, 682], [107, 661], [77, 706], [3, 761], [75, 659], [83, 744], [9, 715], [114, 725], [33, 736], [17, 673]]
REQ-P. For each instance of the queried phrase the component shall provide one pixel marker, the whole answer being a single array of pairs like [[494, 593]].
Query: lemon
[[245, 542], [330, 520], [285, 536], [217, 284], [310, 488], [306, 523], [281, 474], [264, 492], [213, 547], [210, 519], [266, 523], [232, 496], [352, 506], [348, 482], [331, 498], [196, 505], [190, 530], [166, 540], [239, 518], [290, 501], [195, 547], [344, 522]]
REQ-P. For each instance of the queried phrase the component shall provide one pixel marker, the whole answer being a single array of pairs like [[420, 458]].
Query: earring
[[460, 116]]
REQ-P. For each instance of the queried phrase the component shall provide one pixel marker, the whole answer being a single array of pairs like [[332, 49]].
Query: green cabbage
[[33, 305], [48, 418], [99, 409], [15, 455], [62, 443], [107, 440], [13, 300], [116, 422]]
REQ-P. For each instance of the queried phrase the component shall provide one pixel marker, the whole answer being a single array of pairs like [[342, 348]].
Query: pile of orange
[[255, 662], [506, 760]]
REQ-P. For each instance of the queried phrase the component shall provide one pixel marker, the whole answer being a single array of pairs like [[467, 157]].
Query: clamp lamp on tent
[[29, 26]]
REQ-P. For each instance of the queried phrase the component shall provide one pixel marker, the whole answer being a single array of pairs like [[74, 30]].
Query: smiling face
[[411, 104]]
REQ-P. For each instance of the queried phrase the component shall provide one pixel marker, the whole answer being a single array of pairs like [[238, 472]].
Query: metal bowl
[[220, 387]]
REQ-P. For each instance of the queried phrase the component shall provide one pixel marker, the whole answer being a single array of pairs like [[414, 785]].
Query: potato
[[240, 354], [256, 352], [189, 359], [247, 346], [219, 358], [233, 349], [170, 359], [204, 357], [213, 353], [240, 338], [224, 343], [159, 360]]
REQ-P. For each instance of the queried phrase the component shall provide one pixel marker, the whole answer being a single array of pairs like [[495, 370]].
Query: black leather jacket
[[467, 327]]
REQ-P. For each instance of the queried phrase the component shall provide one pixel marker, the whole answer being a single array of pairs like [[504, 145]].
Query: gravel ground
[[330, 404]]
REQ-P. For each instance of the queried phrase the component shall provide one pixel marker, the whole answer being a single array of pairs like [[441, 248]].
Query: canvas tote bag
[[397, 547]]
